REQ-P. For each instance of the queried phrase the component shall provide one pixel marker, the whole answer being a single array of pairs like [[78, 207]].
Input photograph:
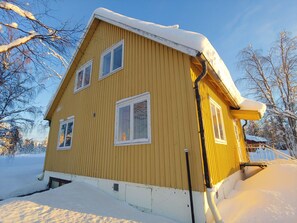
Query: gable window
[[217, 122], [65, 133], [132, 125], [112, 60], [83, 76]]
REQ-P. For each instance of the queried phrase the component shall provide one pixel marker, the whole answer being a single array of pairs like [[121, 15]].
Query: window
[[65, 133], [83, 76], [133, 120], [217, 122], [112, 60], [57, 182]]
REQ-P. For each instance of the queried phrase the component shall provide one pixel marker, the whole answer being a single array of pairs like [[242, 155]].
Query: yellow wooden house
[[136, 99]]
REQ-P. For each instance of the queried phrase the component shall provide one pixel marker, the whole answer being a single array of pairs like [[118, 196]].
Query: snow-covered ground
[[267, 155], [268, 196], [19, 175], [74, 202]]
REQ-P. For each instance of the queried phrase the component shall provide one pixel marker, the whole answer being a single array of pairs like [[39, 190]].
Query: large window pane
[[222, 136], [62, 135], [124, 124], [87, 75], [117, 57], [140, 120], [106, 64], [214, 121], [79, 80], [69, 134]]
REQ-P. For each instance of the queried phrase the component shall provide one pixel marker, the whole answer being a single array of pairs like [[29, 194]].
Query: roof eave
[[218, 81]]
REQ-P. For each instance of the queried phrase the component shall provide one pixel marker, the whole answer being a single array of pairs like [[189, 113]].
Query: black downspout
[[190, 186], [243, 129], [244, 136], [198, 102]]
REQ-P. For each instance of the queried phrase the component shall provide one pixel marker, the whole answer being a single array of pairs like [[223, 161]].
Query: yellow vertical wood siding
[[148, 67], [223, 159]]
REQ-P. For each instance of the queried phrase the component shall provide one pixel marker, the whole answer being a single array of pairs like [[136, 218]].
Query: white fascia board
[[182, 48]]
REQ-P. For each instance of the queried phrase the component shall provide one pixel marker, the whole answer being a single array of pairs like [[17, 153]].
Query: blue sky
[[229, 25]]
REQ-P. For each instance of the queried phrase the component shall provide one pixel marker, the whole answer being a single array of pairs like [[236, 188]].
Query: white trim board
[[164, 201], [167, 202]]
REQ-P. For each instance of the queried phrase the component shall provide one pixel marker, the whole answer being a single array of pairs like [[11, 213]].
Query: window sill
[[220, 142], [132, 143], [111, 73], [82, 88], [64, 148]]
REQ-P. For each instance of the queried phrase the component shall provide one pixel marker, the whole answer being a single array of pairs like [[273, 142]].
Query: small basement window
[[65, 133], [132, 125], [83, 76], [217, 122], [112, 60], [57, 182]]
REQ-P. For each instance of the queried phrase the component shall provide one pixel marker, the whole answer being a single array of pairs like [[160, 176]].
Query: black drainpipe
[[198, 102], [243, 129], [190, 186], [244, 136]]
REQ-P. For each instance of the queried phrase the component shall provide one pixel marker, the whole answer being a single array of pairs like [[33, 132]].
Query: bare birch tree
[[31, 52], [272, 79]]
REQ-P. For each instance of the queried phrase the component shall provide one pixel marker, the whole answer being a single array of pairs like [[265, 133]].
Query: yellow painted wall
[[148, 67], [223, 159]]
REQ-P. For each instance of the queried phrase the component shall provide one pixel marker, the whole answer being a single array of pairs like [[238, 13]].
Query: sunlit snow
[[268, 196], [19, 175]]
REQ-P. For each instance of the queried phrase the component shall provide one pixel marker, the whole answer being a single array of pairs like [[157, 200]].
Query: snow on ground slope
[[74, 202], [269, 196], [19, 175]]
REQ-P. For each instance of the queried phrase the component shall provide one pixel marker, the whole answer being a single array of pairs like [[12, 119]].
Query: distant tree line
[[13, 144]]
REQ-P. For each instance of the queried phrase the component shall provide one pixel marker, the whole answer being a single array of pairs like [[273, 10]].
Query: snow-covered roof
[[255, 138], [251, 105], [188, 42]]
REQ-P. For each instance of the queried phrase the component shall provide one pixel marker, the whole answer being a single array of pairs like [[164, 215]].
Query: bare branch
[[18, 42], [18, 10]]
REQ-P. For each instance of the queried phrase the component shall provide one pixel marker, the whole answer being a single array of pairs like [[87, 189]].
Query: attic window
[[112, 60], [133, 120], [217, 122], [65, 133], [83, 76]]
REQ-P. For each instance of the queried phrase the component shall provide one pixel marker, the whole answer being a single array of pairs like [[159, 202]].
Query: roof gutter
[[209, 187]]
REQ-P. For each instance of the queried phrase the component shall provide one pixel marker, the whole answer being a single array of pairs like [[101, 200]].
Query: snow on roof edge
[[185, 41], [255, 138], [251, 105]]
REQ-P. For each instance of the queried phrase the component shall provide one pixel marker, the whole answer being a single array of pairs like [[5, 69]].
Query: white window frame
[[131, 101], [62, 122], [83, 68], [220, 140], [111, 50]]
